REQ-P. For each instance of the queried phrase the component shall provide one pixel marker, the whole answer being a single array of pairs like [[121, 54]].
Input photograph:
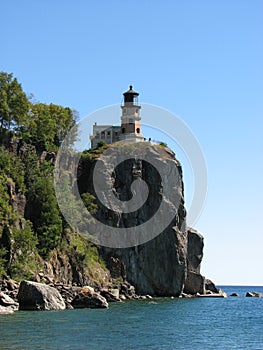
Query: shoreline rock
[[254, 295], [234, 295], [39, 296], [56, 296], [4, 310], [89, 300], [7, 304], [111, 295]]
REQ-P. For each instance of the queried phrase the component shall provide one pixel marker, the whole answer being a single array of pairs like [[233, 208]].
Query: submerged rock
[[220, 294], [254, 294], [38, 296], [184, 295]]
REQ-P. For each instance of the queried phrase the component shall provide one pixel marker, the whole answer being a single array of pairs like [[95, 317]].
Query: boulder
[[6, 310], [210, 294], [128, 290], [254, 294], [87, 290], [38, 296], [195, 245], [115, 292], [195, 283], [6, 301], [210, 286], [7, 304], [69, 306], [68, 294], [88, 300], [184, 295], [234, 295], [222, 293], [110, 295]]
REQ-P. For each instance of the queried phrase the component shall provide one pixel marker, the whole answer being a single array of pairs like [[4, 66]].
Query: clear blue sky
[[202, 60]]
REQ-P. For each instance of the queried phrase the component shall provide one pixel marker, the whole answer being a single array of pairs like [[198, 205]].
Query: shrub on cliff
[[44, 214], [25, 255]]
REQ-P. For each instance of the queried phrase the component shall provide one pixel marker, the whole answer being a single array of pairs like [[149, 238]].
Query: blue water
[[200, 323]]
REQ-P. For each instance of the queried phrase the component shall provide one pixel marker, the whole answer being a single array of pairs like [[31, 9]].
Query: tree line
[[28, 238], [44, 125]]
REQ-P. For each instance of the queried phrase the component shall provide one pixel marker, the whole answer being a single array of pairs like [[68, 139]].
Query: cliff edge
[[168, 264]]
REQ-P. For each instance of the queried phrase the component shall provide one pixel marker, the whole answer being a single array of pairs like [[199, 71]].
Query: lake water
[[200, 323]]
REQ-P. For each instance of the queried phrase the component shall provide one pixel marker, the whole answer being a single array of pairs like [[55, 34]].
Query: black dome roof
[[131, 92]]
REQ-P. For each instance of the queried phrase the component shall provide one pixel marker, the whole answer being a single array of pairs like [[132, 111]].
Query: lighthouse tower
[[131, 117]]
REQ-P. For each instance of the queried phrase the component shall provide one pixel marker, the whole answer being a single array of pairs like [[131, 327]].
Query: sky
[[201, 60]]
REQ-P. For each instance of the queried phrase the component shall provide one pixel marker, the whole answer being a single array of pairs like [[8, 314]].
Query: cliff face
[[168, 264], [157, 267], [65, 268], [164, 265], [195, 282], [73, 260]]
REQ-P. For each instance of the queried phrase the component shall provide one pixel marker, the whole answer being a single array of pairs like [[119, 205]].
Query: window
[[130, 121], [123, 130], [108, 133], [138, 130]]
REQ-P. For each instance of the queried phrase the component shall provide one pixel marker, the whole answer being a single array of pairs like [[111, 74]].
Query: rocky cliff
[[170, 263], [73, 261]]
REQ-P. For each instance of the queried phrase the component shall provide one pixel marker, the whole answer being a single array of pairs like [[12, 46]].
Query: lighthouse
[[130, 128], [131, 117]]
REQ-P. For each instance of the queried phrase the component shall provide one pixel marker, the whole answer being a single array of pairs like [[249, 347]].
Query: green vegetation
[[163, 144], [25, 255], [31, 225], [42, 125], [44, 215], [14, 103], [47, 125], [83, 251], [3, 261], [98, 150]]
